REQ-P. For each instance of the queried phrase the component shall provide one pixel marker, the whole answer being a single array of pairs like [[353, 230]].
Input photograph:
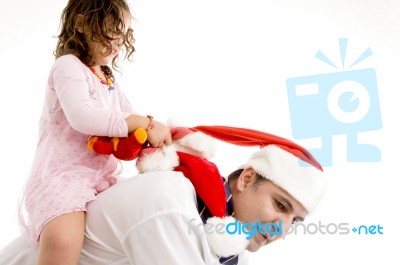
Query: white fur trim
[[198, 144], [306, 184], [164, 159], [224, 244]]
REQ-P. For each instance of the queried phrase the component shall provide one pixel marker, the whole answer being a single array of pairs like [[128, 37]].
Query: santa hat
[[277, 160], [287, 164]]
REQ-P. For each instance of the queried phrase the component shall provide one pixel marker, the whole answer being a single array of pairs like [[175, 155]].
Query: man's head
[[257, 199], [272, 187]]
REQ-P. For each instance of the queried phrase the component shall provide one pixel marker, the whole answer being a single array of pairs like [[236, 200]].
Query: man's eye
[[279, 205]]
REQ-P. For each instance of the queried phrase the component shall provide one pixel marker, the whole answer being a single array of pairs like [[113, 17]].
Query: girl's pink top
[[65, 173]]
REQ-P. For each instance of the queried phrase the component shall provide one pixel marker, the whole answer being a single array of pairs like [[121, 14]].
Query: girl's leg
[[61, 240]]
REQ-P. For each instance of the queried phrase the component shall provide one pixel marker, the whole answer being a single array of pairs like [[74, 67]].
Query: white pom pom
[[224, 244]]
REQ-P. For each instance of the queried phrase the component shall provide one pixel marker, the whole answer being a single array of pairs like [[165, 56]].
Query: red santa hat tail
[[249, 137]]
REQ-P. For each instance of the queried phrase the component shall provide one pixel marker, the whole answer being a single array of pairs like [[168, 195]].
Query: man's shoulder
[[150, 191], [161, 182]]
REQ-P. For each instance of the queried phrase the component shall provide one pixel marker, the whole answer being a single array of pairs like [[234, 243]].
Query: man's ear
[[79, 23], [246, 179]]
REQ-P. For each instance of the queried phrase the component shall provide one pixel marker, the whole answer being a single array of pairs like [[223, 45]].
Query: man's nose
[[286, 222]]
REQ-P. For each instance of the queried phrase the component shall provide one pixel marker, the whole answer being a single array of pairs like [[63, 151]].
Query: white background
[[226, 62]]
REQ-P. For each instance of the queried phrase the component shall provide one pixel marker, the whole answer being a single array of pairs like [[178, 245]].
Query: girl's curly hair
[[104, 18]]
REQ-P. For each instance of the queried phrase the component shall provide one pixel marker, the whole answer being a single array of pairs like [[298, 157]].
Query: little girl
[[82, 99]]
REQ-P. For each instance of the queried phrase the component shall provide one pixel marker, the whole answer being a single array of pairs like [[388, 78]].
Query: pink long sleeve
[[89, 109]]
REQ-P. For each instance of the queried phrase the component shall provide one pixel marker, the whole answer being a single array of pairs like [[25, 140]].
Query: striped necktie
[[205, 214]]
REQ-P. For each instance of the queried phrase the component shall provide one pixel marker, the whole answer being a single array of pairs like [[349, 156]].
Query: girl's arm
[[69, 81], [69, 89]]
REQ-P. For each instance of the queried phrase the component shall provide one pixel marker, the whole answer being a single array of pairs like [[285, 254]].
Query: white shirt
[[137, 222]]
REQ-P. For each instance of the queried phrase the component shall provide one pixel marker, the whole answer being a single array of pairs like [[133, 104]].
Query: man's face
[[265, 203]]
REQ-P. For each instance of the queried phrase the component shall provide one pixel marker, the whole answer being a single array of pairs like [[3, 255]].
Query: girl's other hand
[[159, 135]]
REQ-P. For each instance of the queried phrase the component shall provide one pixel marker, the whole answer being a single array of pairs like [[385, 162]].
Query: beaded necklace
[[107, 82]]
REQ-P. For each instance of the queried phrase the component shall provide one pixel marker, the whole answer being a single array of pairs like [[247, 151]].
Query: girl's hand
[[159, 135]]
